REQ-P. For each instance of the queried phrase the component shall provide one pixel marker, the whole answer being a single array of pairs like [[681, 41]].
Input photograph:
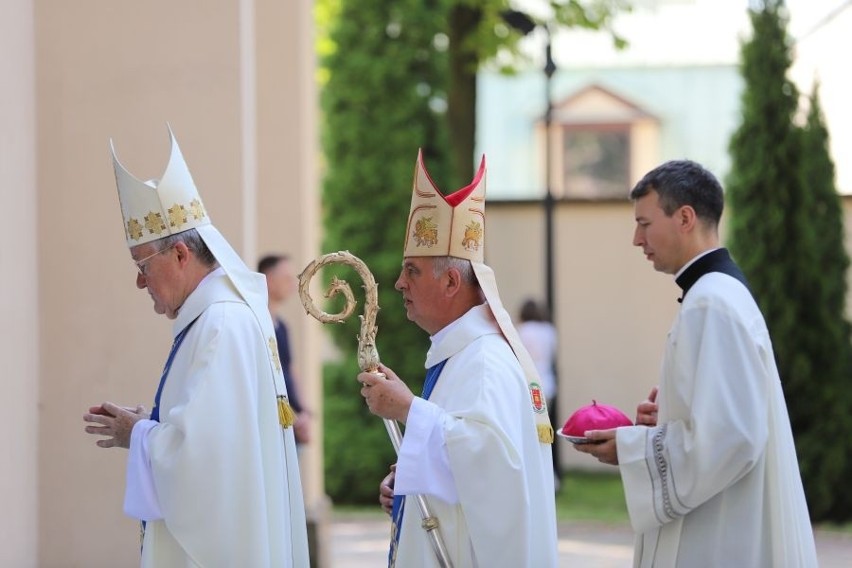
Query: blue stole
[[432, 375], [155, 412]]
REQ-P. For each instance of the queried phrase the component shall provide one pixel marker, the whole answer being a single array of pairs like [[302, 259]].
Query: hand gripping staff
[[368, 356]]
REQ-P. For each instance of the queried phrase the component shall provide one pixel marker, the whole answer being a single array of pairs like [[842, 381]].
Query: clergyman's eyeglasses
[[142, 265]]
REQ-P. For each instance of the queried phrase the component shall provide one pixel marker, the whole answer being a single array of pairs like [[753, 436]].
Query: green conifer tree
[[775, 239], [385, 76], [827, 338]]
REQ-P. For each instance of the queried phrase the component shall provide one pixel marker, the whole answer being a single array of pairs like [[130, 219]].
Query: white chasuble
[[716, 482], [503, 509], [225, 473]]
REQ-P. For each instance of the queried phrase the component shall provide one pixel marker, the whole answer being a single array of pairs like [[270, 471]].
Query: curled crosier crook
[[368, 356]]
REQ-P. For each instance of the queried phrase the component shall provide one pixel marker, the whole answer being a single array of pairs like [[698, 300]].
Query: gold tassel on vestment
[[286, 416], [545, 433]]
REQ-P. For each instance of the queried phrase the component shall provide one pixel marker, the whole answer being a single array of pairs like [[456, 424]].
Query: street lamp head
[[549, 64], [518, 21]]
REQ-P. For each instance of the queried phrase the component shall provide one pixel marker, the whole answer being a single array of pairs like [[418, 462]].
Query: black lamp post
[[524, 24], [549, 70]]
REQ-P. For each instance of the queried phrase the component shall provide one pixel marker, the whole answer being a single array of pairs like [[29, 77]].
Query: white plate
[[573, 439]]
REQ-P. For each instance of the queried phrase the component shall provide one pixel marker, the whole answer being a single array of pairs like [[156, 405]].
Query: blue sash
[[155, 412], [432, 375]]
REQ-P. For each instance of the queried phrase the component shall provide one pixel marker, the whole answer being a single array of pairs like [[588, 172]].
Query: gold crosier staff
[[368, 356]]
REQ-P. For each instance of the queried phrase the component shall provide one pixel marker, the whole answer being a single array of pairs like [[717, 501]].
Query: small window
[[595, 161]]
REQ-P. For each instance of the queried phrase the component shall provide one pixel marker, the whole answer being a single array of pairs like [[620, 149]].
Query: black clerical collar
[[717, 261]]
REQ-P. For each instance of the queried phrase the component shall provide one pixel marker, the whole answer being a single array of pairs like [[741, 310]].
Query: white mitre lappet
[[156, 209], [454, 225]]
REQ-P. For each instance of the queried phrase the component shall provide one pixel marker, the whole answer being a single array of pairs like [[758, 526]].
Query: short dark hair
[[270, 261], [532, 311], [684, 182]]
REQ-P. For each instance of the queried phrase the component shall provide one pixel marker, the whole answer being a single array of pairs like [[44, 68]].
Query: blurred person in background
[[281, 283], [539, 337]]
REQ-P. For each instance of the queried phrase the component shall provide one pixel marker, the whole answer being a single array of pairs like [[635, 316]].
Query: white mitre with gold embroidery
[[156, 209], [446, 226], [454, 225]]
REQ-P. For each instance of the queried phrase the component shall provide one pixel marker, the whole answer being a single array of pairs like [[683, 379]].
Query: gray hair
[[193, 242], [441, 264]]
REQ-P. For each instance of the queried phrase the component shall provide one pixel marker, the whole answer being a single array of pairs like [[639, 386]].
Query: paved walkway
[[361, 542]]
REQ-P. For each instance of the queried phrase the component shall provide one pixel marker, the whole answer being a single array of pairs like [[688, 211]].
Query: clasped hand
[[115, 421], [386, 395], [386, 491]]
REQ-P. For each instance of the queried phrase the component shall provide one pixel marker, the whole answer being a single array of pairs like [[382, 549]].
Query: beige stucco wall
[[234, 80], [288, 203], [19, 310]]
